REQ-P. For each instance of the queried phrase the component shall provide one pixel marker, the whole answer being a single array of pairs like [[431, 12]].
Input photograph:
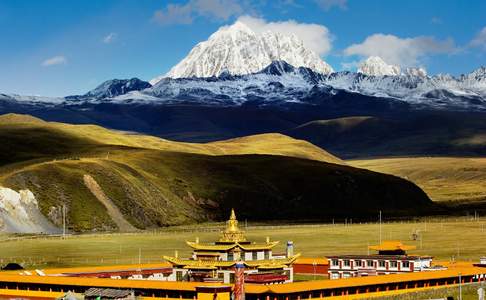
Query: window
[[369, 263], [358, 263], [347, 263], [254, 255], [267, 254], [346, 275], [230, 256], [335, 262], [334, 275], [393, 264], [405, 264], [381, 263]]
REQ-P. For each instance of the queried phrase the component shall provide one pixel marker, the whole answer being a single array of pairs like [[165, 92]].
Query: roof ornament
[[232, 233]]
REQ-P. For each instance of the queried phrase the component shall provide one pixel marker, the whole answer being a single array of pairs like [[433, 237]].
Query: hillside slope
[[442, 178], [445, 134], [23, 127], [155, 182]]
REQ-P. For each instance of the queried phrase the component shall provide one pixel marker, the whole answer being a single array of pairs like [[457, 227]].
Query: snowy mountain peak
[[240, 50], [237, 28], [376, 66], [113, 88], [278, 67], [478, 74]]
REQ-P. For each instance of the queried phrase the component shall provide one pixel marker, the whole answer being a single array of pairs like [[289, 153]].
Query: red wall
[[309, 269]]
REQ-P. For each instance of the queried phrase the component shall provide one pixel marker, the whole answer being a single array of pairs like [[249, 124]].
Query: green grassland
[[155, 182], [442, 178], [462, 239]]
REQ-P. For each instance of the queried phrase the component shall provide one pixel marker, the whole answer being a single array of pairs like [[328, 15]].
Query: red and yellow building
[[214, 262]]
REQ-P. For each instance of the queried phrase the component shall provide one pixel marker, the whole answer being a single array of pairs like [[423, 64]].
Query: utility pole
[[380, 227], [64, 221]]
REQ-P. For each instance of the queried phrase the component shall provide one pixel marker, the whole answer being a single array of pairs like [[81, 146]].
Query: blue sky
[[58, 47]]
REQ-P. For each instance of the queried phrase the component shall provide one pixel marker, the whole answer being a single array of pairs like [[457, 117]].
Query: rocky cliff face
[[19, 213]]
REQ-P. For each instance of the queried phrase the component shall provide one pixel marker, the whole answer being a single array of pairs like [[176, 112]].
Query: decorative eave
[[226, 247], [203, 264]]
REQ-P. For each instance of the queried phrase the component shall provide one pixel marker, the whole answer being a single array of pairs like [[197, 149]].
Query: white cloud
[[479, 40], [174, 14], [185, 13], [329, 4], [316, 37], [110, 38], [400, 51], [218, 9], [56, 60]]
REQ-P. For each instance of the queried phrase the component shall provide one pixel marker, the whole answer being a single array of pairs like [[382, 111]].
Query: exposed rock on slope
[[111, 208], [19, 213]]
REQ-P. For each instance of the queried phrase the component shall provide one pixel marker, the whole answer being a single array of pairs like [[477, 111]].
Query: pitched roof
[[391, 246], [197, 264]]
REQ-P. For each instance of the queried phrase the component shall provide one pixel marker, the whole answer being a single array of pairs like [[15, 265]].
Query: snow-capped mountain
[[113, 88], [281, 82], [278, 82], [238, 50], [376, 66]]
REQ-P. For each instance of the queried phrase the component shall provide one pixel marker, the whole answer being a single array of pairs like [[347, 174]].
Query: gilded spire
[[232, 233], [232, 223]]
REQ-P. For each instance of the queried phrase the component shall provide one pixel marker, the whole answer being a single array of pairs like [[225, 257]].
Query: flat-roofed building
[[392, 258]]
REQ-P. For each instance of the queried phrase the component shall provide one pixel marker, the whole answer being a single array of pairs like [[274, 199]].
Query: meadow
[[442, 178], [445, 239]]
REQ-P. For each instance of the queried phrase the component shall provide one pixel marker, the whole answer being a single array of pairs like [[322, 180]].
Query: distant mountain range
[[241, 82], [281, 83]]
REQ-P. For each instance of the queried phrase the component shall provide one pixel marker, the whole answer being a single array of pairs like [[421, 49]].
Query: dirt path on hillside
[[113, 211]]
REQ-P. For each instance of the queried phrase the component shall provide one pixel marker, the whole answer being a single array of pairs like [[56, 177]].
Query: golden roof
[[197, 264], [226, 247], [391, 246]]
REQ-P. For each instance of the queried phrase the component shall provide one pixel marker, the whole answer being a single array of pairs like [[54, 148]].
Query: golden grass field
[[271, 143], [442, 178], [461, 238]]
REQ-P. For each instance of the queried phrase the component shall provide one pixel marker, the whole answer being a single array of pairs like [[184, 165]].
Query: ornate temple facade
[[216, 261]]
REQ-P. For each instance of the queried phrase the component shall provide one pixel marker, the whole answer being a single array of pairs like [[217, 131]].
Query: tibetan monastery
[[216, 261]]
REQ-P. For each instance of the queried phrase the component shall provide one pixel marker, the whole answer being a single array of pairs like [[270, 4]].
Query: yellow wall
[[210, 296]]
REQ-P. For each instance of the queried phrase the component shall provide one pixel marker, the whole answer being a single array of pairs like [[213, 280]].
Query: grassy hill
[[442, 178], [155, 182], [419, 134]]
